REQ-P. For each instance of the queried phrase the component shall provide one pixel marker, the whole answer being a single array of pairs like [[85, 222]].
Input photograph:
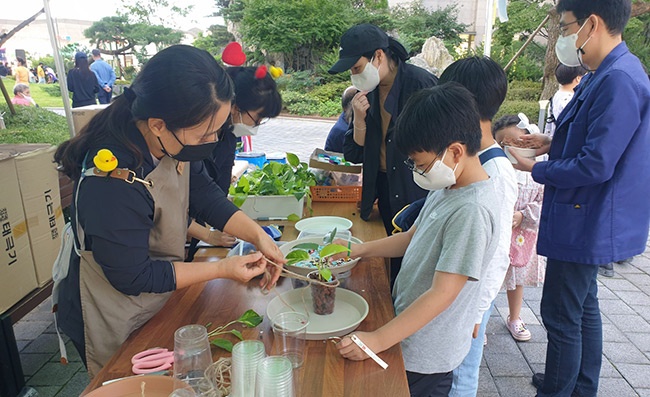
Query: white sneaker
[[518, 330]]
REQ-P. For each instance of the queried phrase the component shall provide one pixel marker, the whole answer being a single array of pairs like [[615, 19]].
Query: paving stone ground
[[507, 365]]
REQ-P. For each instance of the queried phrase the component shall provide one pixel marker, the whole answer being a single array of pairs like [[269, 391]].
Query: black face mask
[[191, 152]]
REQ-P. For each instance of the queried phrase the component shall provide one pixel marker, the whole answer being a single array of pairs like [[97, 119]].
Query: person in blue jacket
[[134, 194], [597, 183]]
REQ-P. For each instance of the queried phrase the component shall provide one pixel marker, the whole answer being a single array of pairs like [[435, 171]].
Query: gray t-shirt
[[457, 232]]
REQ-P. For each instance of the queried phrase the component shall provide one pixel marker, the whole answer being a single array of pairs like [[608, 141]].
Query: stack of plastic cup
[[275, 378], [245, 357]]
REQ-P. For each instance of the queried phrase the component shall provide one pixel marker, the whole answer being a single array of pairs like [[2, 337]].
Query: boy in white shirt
[[568, 78], [487, 81]]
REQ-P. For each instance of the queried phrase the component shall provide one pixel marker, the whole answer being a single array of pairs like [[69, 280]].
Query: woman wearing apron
[[131, 221]]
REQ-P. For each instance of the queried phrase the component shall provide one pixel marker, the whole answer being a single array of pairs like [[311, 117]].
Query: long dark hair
[[81, 64], [181, 85], [252, 93]]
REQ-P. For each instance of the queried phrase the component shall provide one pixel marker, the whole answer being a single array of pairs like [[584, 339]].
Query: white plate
[[324, 223], [350, 310], [286, 248]]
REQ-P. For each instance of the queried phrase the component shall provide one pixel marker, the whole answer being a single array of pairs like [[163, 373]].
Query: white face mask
[[241, 129], [566, 50], [367, 80], [440, 176], [29, 98]]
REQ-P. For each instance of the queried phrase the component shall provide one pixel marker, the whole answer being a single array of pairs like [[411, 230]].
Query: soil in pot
[[323, 297]]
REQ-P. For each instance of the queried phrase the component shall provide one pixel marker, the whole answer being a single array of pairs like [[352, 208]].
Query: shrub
[[329, 92], [329, 108], [529, 108], [33, 125], [51, 89], [302, 81], [299, 103], [523, 94]]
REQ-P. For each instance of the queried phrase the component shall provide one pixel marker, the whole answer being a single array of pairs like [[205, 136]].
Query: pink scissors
[[152, 360]]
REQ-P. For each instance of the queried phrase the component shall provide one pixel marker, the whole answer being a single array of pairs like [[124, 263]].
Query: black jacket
[[402, 189], [84, 87]]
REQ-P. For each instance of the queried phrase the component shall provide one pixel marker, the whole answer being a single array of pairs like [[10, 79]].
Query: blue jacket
[[597, 179], [104, 72]]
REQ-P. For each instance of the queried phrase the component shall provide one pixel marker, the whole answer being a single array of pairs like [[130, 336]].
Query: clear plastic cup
[[274, 378], [192, 354], [289, 332], [246, 355]]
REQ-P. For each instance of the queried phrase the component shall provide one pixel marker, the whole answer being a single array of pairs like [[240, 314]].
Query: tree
[[153, 12], [213, 42], [416, 23], [117, 36], [303, 30]]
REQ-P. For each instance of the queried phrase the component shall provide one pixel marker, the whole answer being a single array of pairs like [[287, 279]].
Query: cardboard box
[[273, 207], [17, 274], [81, 116], [39, 189], [314, 162]]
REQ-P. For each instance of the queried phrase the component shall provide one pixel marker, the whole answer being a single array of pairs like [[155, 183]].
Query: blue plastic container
[[258, 159]]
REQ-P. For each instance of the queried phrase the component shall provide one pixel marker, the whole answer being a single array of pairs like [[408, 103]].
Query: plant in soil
[[249, 319], [323, 296]]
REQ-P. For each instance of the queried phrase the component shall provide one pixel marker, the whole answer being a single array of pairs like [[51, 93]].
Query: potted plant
[[323, 290], [278, 190]]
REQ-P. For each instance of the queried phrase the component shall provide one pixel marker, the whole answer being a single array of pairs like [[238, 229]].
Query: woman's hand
[[270, 249], [350, 350], [517, 218], [221, 239], [360, 108], [244, 268]]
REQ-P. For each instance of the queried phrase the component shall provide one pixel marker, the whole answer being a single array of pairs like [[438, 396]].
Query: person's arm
[[444, 290], [238, 268], [388, 247], [498, 267], [95, 70], [613, 118], [531, 212], [210, 236], [111, 74], [70, 81]]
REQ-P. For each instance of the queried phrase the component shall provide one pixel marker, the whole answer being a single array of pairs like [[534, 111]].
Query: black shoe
[[606, 270], [538, 380]]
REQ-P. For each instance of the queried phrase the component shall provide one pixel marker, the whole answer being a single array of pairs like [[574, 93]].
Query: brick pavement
[[507, 365]]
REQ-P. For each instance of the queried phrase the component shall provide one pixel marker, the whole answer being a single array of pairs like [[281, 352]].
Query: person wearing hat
[[82, 82], [385, 82], [105, 77]]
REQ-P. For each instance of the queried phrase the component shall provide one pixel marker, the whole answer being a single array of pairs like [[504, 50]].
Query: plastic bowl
[[523, 152], [288, 247]]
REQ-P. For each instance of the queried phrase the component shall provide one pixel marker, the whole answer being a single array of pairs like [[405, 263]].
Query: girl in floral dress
[[526, 267]]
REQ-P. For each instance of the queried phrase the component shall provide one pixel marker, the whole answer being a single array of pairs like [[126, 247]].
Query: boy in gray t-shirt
[[447, 250]]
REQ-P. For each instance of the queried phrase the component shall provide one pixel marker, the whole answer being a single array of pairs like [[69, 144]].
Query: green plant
[[301, 253], [293, 178], [249, 319]]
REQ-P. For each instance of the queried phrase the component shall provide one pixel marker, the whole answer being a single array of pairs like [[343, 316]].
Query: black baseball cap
[[358, 40]]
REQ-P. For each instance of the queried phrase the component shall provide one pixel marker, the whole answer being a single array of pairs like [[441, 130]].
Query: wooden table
[[325, 372]]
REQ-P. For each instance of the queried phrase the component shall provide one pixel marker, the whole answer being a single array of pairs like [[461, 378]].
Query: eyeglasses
[[412, 167], [258, 122], [563, 26]]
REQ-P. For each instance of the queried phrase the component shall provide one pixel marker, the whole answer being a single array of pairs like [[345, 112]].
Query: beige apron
[[110, 316]]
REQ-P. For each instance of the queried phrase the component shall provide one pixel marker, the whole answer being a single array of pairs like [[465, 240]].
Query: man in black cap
[[385, 82]]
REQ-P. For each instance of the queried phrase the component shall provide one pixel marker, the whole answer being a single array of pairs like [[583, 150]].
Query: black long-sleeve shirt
[[117, 218], [83, 86]]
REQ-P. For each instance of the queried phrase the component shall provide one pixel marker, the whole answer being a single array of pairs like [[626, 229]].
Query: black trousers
[[429, 385]]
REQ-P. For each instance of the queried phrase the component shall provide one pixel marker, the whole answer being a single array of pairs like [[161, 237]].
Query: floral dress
[[526, 267]]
